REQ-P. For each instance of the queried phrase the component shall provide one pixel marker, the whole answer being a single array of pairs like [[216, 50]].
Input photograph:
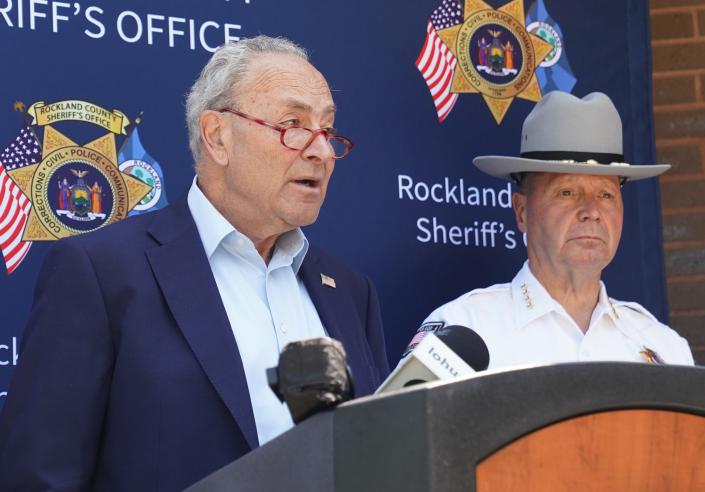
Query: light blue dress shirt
[[268, 306]]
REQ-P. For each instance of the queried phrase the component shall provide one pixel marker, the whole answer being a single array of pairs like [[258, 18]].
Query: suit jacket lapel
[[339, 318], [321, 295], [184, 275]]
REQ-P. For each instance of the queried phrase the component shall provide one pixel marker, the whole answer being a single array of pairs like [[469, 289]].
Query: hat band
[[561, 155]]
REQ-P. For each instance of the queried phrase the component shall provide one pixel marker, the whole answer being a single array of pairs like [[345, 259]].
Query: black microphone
[[467, 344], [312, 376], [450, 352]]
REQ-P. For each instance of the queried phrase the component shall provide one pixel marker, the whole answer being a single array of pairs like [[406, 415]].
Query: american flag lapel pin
[[329, 281]]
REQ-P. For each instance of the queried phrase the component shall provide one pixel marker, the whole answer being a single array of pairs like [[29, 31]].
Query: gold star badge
[[497, 57], [76, 189]]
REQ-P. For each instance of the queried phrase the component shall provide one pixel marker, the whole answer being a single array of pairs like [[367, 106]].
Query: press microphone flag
[[453, 351]]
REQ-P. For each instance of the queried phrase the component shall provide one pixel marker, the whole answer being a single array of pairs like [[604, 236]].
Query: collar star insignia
[[496, 56], [527, 297]]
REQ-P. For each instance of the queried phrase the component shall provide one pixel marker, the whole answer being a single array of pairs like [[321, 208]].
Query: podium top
[[430, 438], [437, 433]]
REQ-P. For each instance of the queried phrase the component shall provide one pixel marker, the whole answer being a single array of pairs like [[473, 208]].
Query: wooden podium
[[568, 427]]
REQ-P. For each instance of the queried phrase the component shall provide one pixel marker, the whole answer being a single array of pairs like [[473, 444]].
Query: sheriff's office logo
[[75, 110], [547, 32], [497, 56], [60, 188], [146, 173], [481, 50], [76, 188]]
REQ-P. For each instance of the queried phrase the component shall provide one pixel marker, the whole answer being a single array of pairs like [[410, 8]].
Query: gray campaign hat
[[565, 134]]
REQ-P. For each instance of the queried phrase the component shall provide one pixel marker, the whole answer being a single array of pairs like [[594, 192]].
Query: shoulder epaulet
[[490, 289], [633, 306]]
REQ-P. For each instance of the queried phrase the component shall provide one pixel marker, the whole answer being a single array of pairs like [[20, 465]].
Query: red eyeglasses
[[298, 137]]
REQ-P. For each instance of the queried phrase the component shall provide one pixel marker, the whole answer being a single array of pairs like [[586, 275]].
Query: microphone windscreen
[[467, 344], [312, 375]]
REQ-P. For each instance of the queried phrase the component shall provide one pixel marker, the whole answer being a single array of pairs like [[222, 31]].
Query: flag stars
[[447, 14], [19, 152]]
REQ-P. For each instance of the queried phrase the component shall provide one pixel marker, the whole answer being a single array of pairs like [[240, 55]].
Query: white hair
[[216, 86]]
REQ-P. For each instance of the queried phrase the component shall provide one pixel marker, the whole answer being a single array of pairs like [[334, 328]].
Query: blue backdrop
[[380, 217]]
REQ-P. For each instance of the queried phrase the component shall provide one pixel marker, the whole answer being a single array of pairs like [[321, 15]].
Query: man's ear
[[214, 136], [519, 206]]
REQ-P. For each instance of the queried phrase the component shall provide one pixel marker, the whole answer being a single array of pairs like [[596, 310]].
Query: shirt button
[[283, 327], [240, 241]]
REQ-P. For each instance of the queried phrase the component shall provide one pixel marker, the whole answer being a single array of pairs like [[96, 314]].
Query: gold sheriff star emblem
[[76, 189], [496, 56]]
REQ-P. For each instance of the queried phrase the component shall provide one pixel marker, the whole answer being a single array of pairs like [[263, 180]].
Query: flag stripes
[[14, 211], [436, 64]]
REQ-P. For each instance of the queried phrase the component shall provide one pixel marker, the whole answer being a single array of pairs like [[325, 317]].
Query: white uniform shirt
[[522, 324], [268, 306]]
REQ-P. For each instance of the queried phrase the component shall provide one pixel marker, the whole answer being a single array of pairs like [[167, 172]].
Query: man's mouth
[[308, 182], [588, 238]]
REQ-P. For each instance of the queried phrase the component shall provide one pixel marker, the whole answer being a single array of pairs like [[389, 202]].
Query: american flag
[[425, 329], [435, 62], [14, 205]]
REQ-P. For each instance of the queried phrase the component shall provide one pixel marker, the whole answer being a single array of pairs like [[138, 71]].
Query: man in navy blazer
[[133, 375]]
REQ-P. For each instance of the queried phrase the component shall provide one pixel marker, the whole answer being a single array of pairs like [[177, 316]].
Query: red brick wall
[[678, 44]]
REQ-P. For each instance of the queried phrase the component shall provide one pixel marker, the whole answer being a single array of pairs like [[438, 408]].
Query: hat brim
[[504, 167]]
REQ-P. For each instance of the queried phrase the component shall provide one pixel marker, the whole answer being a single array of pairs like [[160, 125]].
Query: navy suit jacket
[[129, 377]]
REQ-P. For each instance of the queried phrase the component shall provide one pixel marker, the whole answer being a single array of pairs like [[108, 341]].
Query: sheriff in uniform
[[569, 204]]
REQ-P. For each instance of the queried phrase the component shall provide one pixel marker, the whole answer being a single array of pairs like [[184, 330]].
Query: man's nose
[[318, 148], [589, 209]]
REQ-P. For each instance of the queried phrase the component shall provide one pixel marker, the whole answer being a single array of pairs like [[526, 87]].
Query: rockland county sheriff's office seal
[[547, 32], [496, 55], [76, 188], [147, 174]]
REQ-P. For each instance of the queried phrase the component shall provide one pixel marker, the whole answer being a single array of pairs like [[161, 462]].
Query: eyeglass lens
[[297, 138]]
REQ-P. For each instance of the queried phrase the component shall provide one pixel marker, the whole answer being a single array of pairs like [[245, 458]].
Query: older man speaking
[[569, 205], [145, 354]]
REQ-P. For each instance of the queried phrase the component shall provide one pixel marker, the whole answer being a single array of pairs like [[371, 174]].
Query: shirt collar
[[604, 306], [291, 250], [211, 225], [531, 300], [215, 230]]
